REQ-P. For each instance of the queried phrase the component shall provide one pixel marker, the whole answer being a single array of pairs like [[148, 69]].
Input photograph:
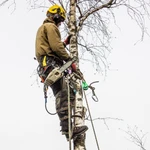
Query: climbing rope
[[69, 114], [45, 88], [90, 112]]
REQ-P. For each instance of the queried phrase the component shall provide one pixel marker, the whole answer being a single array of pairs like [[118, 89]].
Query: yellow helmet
[[56, 9]]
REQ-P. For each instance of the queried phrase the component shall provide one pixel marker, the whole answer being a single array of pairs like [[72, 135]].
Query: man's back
[[48, 41]]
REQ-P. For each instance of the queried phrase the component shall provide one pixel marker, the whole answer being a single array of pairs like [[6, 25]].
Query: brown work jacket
[[48, 41]]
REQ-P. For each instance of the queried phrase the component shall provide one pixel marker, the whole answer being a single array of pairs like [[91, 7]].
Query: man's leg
[[62, 106], [79, 142], [62, 109]]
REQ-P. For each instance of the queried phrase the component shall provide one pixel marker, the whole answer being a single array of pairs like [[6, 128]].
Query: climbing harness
[[52, 77]]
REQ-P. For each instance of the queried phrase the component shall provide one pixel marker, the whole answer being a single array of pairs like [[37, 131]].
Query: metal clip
[[94, 97]]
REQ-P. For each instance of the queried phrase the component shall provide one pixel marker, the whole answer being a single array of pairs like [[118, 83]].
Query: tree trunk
[[79, 110]]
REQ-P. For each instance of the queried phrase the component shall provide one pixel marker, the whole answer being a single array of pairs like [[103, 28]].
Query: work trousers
[[60, 91]]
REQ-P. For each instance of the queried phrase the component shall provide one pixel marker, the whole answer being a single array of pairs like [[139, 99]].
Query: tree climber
[[51, 53]]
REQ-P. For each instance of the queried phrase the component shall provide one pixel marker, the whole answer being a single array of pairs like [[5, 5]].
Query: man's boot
[[79, 130]]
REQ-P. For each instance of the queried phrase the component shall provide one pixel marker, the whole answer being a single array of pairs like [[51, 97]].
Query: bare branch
[[79, 12], [105, 119], [36, 4], [2, 3], [93, 10], [136, 136]]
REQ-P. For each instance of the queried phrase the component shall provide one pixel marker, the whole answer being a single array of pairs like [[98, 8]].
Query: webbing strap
[[44, 61]]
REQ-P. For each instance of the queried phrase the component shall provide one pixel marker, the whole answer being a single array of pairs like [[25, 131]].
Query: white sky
[[124, 94]]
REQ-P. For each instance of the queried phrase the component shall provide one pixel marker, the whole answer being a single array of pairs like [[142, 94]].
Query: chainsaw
[[58, 73]]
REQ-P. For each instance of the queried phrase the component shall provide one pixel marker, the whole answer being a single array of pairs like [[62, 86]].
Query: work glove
[[67, 40], [73, 66]]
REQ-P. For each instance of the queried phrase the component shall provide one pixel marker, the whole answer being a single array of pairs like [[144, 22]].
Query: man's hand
[[67, 40], [74, 68]]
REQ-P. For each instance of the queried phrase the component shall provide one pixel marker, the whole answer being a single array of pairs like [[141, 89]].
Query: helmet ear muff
[[57, 18]]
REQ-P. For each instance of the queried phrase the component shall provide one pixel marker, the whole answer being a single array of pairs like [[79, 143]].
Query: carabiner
[[94, 97]]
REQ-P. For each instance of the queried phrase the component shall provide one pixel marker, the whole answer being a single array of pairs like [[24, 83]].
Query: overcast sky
[[123, 93]]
